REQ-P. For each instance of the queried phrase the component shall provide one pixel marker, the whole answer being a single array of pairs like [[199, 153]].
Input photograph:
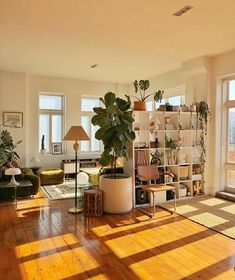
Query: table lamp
[[76, 133], [35, 160], [13, 171]]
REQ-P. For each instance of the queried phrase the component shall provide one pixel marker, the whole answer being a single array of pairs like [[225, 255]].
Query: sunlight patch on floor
[[105, 230], [212, 201], [185, 209], [208, 219], [167, 263], [229, 231], [229, 209], [146, 239]]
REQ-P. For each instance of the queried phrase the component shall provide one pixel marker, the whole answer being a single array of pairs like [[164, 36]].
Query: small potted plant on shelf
[[172, 147], [169, 107], [115, 131], [141, 87], [156, 157]]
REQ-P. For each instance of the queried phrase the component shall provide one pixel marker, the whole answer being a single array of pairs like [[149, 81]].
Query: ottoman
[[51, 176]]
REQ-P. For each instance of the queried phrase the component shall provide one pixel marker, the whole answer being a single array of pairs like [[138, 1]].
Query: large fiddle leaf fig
[[115, 122]]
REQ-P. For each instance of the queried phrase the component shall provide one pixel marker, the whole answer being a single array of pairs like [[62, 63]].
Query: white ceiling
[[128, 39]]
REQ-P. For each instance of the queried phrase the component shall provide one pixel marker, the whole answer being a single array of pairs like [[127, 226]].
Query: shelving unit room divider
[[184, 164]]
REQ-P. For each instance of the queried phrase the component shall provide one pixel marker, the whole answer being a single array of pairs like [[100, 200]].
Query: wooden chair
[[149, 173]]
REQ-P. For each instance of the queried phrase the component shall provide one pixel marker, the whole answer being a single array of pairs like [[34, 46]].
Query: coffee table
[[22, 184]]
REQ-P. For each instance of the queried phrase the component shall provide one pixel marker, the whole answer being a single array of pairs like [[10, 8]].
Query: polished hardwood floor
[[42, 241]]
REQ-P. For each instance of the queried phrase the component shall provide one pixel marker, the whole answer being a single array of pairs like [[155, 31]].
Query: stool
[[51, 176], [93, 202]]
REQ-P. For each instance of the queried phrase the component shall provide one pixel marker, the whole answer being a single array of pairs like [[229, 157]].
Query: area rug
[[214, 213], [63, 191]]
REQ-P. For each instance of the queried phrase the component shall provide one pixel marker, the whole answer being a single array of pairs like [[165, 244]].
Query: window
[[174, 100], [87, 105], [51, 116], [230, 108]]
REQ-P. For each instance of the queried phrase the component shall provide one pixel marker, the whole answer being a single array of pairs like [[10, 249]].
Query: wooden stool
[[93, 202]]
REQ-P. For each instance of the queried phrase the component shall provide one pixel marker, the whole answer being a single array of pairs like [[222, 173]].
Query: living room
[[82, 50]]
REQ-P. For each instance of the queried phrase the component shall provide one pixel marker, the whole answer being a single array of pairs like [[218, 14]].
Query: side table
[[22, 184], [93, 202]]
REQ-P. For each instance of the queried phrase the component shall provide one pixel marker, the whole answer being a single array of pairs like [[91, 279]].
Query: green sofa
[[26, 174]]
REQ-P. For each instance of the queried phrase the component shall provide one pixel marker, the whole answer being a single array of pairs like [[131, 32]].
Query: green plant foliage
[[115, 122], [171, 144], [142, 86], [7, 153], [203, 114], [156, 157]]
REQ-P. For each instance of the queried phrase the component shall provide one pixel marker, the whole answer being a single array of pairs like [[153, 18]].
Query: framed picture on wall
[[13, 119], [56, 148]]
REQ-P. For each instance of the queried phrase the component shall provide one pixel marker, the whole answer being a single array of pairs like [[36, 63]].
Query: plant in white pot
[[115, 122]]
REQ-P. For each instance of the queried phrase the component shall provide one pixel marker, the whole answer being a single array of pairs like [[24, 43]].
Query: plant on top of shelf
[[203, 114], [141, 87]]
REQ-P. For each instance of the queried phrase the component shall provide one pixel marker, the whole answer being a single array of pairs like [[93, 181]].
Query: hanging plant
[[203, 115]]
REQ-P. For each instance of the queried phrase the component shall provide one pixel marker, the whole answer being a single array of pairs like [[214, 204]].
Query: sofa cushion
[[51, 176]]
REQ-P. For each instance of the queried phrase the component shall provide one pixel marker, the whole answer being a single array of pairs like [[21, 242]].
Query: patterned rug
[[63, 191], [212, 212]]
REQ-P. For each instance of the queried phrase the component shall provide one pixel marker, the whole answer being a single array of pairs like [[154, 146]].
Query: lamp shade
[[12, 171], [76, 133], [35, 159]]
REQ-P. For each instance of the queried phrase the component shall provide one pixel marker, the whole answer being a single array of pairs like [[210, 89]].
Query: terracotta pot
[[139, 106]]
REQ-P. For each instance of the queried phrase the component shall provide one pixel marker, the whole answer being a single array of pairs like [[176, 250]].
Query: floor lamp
[[76, 133]]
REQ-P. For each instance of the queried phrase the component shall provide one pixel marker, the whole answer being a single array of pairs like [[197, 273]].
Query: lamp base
[[13, 182], [75, 210]]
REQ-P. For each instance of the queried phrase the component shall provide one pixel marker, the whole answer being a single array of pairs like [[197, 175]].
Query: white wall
[[19, 92], [13, 90], [223, 66]]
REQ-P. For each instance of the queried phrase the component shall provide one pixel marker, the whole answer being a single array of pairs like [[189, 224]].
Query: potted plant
[[8, 155], [115, 122], [172, 147], [141, 87], [169, 107], [156, 157]]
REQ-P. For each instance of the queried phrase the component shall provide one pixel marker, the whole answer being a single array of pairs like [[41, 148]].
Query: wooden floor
[[42, 241]]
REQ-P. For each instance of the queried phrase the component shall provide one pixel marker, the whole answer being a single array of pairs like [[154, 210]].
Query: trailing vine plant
[[203, 115]]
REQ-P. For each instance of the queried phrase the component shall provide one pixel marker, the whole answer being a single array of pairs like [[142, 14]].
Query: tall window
[[87, 105], [51, 116], [228, 132]]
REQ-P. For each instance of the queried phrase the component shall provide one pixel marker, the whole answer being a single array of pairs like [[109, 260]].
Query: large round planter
[[139, 106], [117, 194]]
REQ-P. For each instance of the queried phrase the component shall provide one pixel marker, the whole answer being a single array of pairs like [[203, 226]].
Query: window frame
[[90, 114], [52, 112]]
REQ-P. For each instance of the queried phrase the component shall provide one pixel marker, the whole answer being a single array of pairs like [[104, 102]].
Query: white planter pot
[[117, 194]]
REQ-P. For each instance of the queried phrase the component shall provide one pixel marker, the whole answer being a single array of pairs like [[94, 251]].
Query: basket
[[184, 172]]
